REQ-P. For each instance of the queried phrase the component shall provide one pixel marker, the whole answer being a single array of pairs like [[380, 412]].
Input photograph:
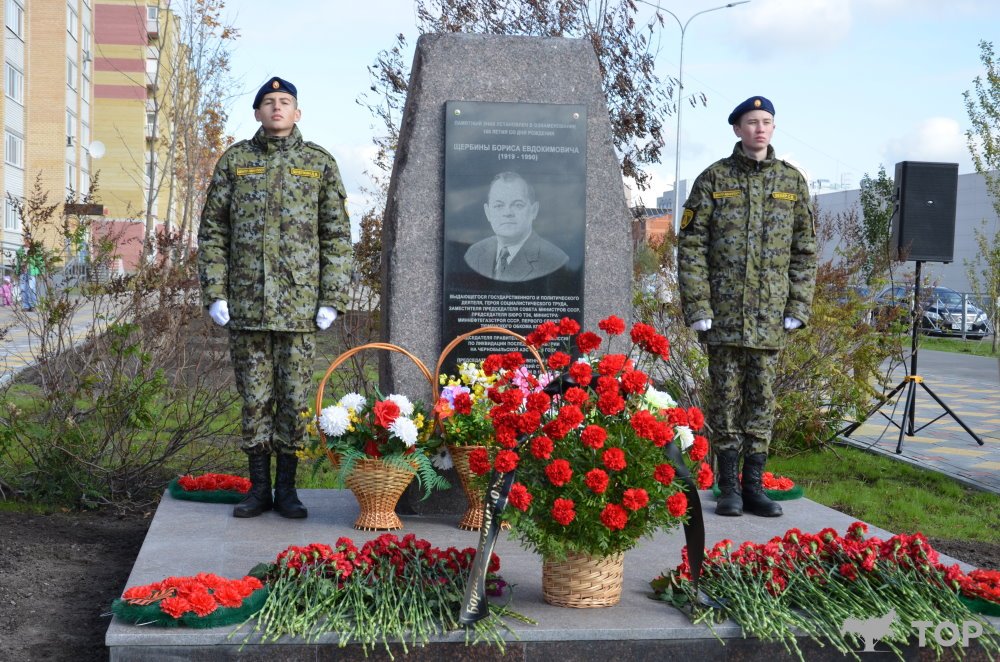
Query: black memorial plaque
[[515, 178]]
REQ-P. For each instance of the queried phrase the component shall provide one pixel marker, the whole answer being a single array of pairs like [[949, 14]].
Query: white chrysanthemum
[[685, 436], [442, 459], [354, 401], [658, 399], [403, 402], [334, 420], [405, 430]]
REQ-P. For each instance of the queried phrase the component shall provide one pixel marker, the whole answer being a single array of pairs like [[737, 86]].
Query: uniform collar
[[748, 163], [268, 143]]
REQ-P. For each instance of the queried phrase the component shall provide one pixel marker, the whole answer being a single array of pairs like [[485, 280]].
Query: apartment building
[[135, 85], [46, 110]]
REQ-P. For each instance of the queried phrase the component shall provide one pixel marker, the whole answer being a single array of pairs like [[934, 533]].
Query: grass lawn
[[974, 347], [893, 495]]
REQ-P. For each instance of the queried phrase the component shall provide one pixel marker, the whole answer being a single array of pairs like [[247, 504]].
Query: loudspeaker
[[923, 224]]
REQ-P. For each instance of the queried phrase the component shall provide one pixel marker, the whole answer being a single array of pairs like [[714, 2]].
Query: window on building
[[15, 83], [11, 221], [72, 73], [70, 128], [150, 123], [85, 135], [72, 21], [152, 18], [14, 152], [88, 55], [15, 17], [71, 184], [85, 89]]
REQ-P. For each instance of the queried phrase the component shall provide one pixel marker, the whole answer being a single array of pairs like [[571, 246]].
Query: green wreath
[[206, 496], [152, 615], [775, 495], [980, 606]]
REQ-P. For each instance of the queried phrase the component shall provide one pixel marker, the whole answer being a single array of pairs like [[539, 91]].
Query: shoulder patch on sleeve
[[687, 217]]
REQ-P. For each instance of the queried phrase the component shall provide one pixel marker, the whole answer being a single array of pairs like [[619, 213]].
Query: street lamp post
[[680, 104]]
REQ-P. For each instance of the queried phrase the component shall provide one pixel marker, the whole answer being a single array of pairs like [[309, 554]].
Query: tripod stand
[[910, 382]]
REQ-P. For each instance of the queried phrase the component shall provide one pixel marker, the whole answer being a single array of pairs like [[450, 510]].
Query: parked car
[[941, 310]]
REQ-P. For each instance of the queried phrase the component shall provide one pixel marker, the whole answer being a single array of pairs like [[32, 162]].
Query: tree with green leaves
[[983, 138], [874, 230]]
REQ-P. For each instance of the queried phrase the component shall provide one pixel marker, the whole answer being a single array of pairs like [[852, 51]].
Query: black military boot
[[730, 502], [258, 499], [754, 499], [286, 499]]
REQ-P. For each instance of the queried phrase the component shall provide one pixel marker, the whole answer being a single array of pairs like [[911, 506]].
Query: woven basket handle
[[348, 354], [465, 336]]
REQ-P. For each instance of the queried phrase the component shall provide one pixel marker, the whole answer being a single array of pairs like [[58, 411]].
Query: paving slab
[[186, 537]]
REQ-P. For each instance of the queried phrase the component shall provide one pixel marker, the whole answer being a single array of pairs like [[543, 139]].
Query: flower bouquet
[[814, 584], [379, 449], [981, 591], [202, 601], [593, 476], [389, 589], [462, 411], [209, 488]]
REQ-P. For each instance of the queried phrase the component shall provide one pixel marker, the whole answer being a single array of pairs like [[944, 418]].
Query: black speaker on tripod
[[923, 225]]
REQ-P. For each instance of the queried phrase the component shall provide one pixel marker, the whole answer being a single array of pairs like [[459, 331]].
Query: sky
[[856, 84]]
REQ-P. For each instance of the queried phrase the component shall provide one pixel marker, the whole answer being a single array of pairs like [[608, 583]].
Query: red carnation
[[696, 419], [559, 360], [563, 511], [512, 360], [559, 472], [596, 480], [664, 473], [568, 327], [607, 386], [541, 447], [611, 325], [677, 416], [593, 436], [677, 504], [581, 373], [635, 498], [528, 422], [519, 497], [371, 448], [642, 332], [614, 459], [634, 381], [705, 476], [611, 364], [699, 449], [611, 404], [614, 517], [588, 342], [463, 403], [506, 461], [479, 462], [386, 411], [575, 396], [556, 429], [571, 416], [538, 401]]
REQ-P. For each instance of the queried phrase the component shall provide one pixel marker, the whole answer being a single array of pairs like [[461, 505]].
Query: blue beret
[[753, 103], [274, 85]]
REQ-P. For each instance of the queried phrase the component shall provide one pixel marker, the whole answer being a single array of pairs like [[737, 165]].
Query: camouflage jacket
[[275, 239], [747, 250]]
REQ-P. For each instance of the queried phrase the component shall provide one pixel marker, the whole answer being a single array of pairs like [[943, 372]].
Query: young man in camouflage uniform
[[747, 268], [274, 261]]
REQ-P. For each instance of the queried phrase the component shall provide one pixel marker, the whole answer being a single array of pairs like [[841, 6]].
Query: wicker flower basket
[[376, 485], [472, 520], [583, 581]]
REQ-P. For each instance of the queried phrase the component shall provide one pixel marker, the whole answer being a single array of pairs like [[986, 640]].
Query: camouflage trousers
[[274, 377], [742, 409]]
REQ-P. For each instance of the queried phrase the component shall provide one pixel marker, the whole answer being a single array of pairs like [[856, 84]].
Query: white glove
[[219, 312], [791, 324], [325, 317], [702, 325]]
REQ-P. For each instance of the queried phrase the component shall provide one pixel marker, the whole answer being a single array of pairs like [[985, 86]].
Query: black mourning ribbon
[[475, 606]]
